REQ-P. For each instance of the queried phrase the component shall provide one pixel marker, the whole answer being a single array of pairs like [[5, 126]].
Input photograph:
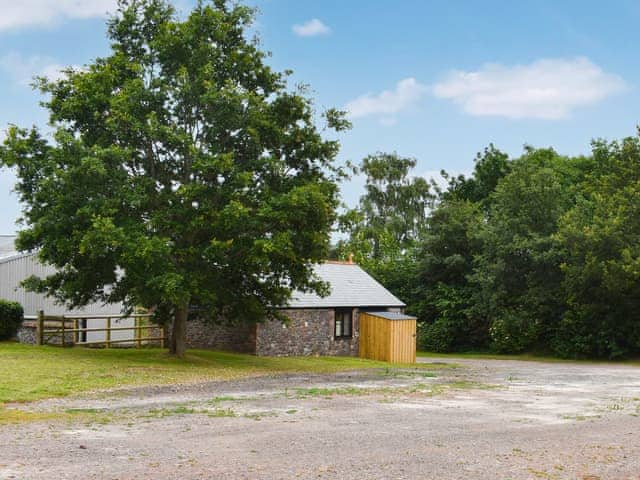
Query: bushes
[[11, 316]]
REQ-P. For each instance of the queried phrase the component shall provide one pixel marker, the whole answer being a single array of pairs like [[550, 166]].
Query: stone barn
[[316, 325]]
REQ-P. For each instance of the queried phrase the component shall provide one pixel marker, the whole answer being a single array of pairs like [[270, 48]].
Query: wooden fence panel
[[68, 330]]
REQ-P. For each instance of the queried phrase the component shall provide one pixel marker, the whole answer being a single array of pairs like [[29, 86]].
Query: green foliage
[[539, 253], [446, 258], [518, 271], [446, 304], [182, 171], [11, 317], [490, 166], [383, 230], [599, 240]]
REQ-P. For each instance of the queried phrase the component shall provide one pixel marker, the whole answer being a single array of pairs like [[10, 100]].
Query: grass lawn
[[30, 373], [525, 357]]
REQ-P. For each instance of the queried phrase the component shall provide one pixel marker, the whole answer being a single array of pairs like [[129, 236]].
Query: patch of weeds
[[404, 373], [440, 388], [257, 416], [167, 412], [13, 416], [469, 385], [413, 389], [579, 418], [83, 411], [90, 416], [222, 412], [541, 474], [521, 420], [439, 365], [182, 410], [291, 411], [387, 400], [329, 392], [225, 398]]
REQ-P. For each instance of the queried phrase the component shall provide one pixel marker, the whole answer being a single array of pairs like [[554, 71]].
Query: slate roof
[[7, 246], [351, 286], [392, 315]]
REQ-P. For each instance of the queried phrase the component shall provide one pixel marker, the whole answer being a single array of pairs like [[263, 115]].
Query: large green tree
[[444, 295], [491, 165], [445, 299], [517, 273], [600, 241], [383, 229], [182, 171]]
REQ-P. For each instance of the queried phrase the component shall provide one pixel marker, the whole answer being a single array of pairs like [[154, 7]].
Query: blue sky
[[435, 80]]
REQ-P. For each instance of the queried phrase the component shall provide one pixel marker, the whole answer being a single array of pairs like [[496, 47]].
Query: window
[[344, 323]]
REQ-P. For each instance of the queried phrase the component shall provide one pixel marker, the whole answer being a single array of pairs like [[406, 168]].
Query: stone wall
[[220, 336], [27, 333], [308, 332]]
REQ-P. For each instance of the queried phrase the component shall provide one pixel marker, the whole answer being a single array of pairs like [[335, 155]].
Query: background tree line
[[536, 253]]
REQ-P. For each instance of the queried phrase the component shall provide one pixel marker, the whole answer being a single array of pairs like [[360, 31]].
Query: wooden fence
[[70, 330]]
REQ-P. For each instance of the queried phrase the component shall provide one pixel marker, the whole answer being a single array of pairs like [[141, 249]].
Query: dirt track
[[486, 419]]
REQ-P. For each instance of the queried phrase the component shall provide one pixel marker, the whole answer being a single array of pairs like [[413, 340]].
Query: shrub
[[11, 316], [456, 328]]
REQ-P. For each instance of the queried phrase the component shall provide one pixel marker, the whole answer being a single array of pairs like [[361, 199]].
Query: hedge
[[11, 316]]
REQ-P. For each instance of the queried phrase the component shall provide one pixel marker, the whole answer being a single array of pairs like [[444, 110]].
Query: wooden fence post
[[40, 328], [108, 333], [137, 321], [163, 335], [63, 326], [76, 333]]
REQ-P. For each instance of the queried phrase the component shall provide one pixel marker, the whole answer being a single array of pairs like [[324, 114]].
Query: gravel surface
[[484, 419]]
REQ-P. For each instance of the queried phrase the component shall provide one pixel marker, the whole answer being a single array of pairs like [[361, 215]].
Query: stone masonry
[[220, 336], [308, 332]]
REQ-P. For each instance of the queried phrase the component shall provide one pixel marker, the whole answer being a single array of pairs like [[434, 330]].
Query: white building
[[17, 266]]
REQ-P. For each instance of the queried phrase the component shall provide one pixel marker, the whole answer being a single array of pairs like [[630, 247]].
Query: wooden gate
[[388, 336]]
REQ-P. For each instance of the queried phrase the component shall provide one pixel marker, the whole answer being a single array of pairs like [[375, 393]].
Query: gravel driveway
[[477, 419]]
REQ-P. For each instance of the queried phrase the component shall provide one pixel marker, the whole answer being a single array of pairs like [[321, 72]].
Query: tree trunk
[[178, 343]]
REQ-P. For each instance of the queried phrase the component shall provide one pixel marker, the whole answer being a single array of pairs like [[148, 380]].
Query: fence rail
[[73, 330]]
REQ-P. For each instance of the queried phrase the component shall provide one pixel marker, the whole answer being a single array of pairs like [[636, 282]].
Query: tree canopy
[[181, 171], [538, 253], [383, 229]]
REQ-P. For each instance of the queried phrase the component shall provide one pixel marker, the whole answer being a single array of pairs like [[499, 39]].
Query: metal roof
[[392, 315], [350, 285], [7, 246]]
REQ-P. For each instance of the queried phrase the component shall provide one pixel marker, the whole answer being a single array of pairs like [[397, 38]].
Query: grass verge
[[30, 373], [525, 357]]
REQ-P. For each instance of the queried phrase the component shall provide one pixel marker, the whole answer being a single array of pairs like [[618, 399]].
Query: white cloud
[[23, 69], [389, 102], [311, 28], [545, 89], [23, 13]]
